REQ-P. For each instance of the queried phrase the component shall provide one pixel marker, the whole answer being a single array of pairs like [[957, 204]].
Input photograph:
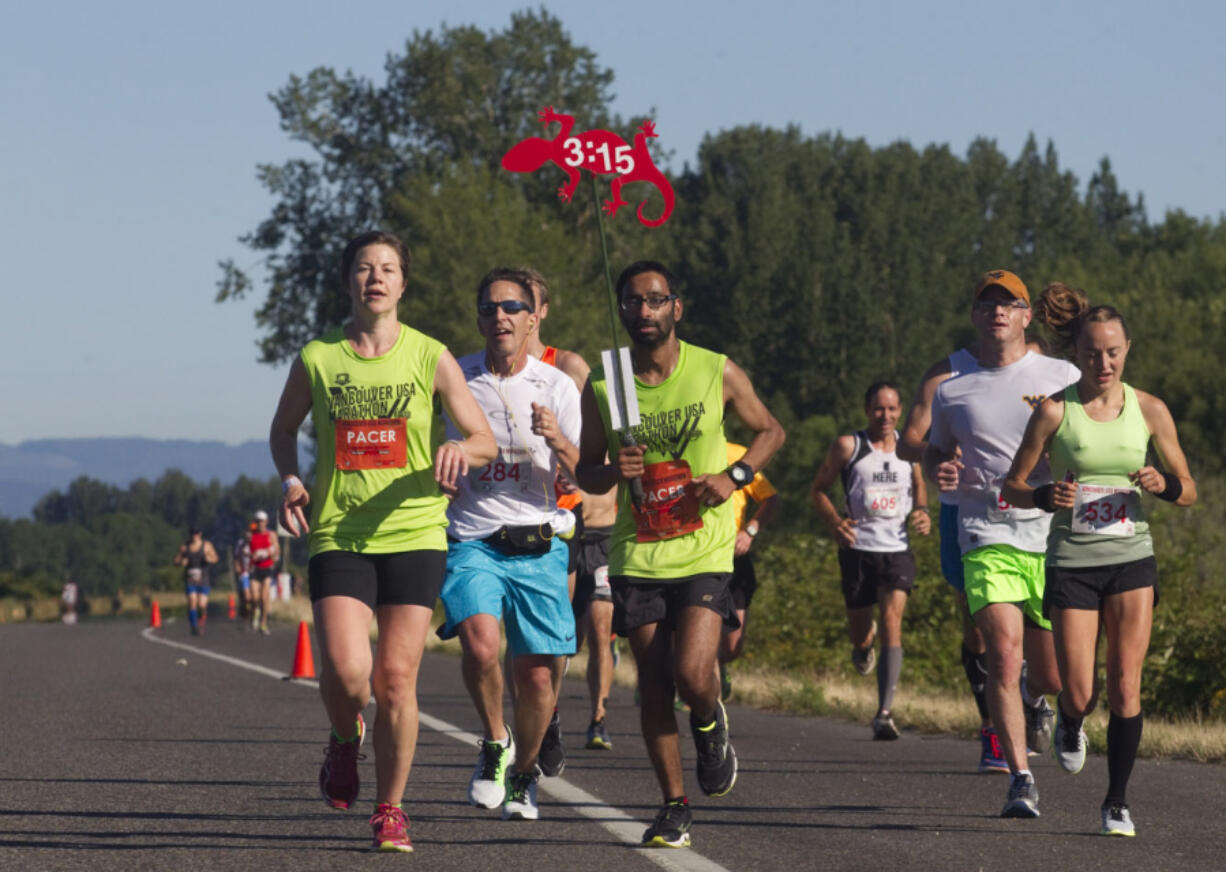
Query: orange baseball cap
[[1002, 278]]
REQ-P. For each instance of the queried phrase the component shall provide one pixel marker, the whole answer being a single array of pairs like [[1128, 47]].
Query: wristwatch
[[752, 529], [741, 473]]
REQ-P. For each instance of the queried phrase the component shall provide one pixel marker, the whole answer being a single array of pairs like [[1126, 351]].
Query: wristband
[[1042, 498], [1174, 488], [289, 481]]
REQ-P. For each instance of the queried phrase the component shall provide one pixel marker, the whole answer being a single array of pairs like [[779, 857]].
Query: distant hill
[[33, 468]]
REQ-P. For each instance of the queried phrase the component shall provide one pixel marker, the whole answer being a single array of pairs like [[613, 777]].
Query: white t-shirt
[[879, 496], [985, 414], [517, 487], [960, 363]]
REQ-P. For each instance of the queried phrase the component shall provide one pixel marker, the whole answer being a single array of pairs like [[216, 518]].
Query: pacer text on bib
[[670, 508], [373, 444]]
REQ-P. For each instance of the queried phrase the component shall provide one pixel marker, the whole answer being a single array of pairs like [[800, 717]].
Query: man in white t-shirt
[[983, 415], [506, 559]]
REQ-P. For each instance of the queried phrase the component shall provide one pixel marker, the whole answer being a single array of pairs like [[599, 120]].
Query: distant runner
[[196, 556], [242, 574], [265, 551], [883, 495]]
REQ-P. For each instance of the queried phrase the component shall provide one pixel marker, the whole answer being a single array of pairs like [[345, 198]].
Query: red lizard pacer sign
[[601, 153]]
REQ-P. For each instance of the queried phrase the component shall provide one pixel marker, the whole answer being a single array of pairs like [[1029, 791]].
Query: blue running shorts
[[244, 581], [951, 554], [527, 591]]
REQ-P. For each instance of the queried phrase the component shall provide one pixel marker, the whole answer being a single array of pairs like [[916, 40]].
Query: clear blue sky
[[131, 133]]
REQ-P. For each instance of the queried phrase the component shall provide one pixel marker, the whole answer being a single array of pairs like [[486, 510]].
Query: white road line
[[614, 820]]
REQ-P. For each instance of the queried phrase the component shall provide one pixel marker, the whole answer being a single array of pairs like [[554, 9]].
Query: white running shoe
[[487, 787]]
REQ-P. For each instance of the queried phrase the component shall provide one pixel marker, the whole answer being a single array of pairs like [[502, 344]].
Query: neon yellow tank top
[[683, 431], [1100, 454], [374, 469]]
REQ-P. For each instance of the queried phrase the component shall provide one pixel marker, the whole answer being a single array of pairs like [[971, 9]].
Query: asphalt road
[[122, 752]]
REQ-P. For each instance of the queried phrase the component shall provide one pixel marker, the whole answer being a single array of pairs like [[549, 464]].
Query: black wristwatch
[[741, 474]]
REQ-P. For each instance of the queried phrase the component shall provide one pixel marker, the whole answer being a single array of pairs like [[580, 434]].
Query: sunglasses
[[511, 307], [993, 305], [653, 301]]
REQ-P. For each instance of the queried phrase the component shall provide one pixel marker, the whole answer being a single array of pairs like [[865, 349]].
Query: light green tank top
[[683, 431], [374, 470], [1099, 453]]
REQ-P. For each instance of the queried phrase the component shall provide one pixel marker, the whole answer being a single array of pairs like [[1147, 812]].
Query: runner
[[744, 580], [265, 551], [874, 551], [671, 557], [242, 574], [196, 556], [506, 558], [982, 415], [1100, 556], [377, 531]]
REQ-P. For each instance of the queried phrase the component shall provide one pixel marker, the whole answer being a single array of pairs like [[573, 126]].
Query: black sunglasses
[[488, 310]]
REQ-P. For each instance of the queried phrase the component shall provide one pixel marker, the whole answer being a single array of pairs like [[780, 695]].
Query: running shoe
[[992, 756], [1039, 725], [617, 652], [1117, 821], [338, 777], [1067, 747], [864, 659], [552, 756], [520, 804], [716, 757], [487, 787], [671, 828], [598, 737], [725, 683], [884, 728], [391, 829], [264, 629], [1023, 799]]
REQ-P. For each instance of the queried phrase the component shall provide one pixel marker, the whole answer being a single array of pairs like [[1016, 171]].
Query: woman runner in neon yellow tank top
[[1100, 563], [377, 541]]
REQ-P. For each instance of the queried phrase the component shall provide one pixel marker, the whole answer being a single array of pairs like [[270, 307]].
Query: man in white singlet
[[978, 420], [506, 558], [883, 494]]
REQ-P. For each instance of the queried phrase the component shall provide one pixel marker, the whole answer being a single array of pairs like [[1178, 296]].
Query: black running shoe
[[671, 828], [552, 757], [716, 758]]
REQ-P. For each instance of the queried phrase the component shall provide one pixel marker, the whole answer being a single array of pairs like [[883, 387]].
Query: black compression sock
[[1123, 739], [977, 674]]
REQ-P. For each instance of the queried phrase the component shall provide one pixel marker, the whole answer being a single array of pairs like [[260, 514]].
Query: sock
[[1070, 723], [356, 732], [193, 618], [1123, 738], [678, 800], [1028, 699], [977, 674], [889, 667], [1023, 773]]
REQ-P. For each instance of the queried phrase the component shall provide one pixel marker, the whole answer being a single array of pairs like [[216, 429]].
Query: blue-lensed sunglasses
[[488, 310]]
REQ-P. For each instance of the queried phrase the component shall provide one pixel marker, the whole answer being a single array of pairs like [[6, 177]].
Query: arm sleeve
[[939, 435], [570, 419]]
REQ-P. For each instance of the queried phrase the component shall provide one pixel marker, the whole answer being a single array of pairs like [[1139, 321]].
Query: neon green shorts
[[1004, 574]]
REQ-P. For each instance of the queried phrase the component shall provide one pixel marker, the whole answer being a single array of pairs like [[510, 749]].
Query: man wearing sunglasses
[[984, 414], [506, 559], [670, 559]]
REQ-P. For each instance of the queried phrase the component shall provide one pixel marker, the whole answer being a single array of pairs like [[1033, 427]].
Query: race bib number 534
[[1107, 511]]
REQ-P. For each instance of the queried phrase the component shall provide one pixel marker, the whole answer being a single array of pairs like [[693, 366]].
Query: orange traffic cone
[[232, 612], [155, 616], [304, 662]]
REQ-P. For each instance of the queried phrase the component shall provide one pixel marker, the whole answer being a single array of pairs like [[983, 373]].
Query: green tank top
[[683, 431], [1099, 453], [374, 469]]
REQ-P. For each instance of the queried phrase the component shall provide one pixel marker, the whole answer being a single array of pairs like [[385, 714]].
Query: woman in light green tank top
[[378, 547], [1100, 563]]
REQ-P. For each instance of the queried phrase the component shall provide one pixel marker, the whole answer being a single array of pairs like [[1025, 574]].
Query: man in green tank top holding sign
[[670, 559]]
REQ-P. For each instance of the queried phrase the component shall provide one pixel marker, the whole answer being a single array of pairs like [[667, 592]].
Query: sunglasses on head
[[488, 310]]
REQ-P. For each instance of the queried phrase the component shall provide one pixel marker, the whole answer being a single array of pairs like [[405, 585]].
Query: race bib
[[670, 508], [194, 575], [502, 475], [373, 444], [1107, 511], [1001, 512], [883, 502], [600, 578]]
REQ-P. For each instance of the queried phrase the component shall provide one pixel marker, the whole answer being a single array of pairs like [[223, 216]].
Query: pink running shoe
[[338, 777], [391, 829]]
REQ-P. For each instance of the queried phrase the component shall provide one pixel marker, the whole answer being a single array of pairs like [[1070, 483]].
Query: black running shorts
[[593, 555], [638, 602], [261, 574], [744, 582], [406, 578], [866, 571], [1085, 587]]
